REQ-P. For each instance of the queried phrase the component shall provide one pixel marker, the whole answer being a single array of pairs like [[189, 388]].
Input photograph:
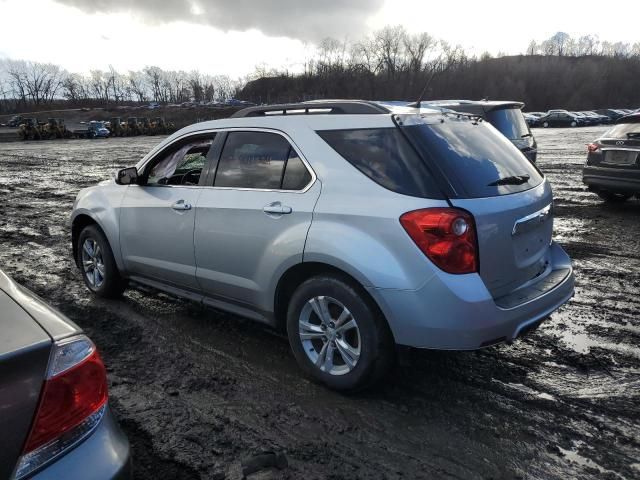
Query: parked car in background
[[15, 121], [612, 114], [560, 118], [506, 116], [586, 120], [612, 169], [355, 226], [97, 129], [531, 120], [600, 119], [54, 415]]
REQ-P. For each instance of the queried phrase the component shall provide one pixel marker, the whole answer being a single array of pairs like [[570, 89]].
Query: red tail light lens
[[75, 389], [447, 236], [593, 147]]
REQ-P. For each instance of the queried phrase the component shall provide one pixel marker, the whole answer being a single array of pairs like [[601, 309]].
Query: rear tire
[[545, 124], [351, 333], [614, 197], [97, 265]]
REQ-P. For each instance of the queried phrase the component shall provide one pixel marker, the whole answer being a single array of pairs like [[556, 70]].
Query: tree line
[[29, 85], [391, 63]]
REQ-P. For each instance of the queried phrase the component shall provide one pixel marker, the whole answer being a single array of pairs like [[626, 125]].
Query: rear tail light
[[593, 147], [72, 403], [447, 236]]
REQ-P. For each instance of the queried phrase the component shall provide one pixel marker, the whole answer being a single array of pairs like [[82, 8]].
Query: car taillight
[[593, 147], [447, 236], [72, 403]]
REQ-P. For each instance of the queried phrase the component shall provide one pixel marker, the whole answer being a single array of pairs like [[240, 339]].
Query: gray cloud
[[302, 19]]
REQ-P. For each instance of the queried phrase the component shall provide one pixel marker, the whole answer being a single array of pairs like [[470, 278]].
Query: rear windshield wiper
[[513, 180]]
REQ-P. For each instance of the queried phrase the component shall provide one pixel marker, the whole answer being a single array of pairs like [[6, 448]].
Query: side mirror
[[127, 176]]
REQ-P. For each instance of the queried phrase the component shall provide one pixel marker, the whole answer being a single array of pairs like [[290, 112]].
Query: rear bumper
[[103, 455], [614, 179], [458, 313]]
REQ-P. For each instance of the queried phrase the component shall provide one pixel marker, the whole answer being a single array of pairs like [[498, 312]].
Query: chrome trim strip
[[541, 215], [314, 177], [621, 149]]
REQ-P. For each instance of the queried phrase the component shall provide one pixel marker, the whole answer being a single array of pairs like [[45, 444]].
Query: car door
[[157, 215], [252, 223]]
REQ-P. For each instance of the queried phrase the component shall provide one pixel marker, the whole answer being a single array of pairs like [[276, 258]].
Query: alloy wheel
[[93, 263], [330, 335]]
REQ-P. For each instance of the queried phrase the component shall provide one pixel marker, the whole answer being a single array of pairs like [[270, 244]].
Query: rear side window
[[476, 159], [260, 160], [385, 156]]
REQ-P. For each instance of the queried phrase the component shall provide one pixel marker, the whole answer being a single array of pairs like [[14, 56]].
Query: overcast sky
[[233, 36]]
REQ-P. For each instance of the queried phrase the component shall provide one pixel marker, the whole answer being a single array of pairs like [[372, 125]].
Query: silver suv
[[354, 226]]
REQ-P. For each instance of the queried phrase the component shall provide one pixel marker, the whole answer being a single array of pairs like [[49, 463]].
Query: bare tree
[[137, 86], [587, 45], [390, 43]]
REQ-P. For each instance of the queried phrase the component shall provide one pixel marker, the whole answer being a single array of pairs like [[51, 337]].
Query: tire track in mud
[[197, 390]]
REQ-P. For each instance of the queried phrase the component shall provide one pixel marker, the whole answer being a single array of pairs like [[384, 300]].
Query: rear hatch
[[619, 147], [485, 174], [24, 355]]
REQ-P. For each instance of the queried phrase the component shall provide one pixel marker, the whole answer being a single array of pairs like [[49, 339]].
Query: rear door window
[[476, 159], [260, 160], [386, 157]]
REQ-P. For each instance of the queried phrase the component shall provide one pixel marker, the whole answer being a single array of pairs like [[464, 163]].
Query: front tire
[[99, 270], [545, 124], [614, 197], [337, 335]]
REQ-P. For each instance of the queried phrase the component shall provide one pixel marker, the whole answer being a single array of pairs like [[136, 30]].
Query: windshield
[[510, 122], [624, 130], [474, 157]]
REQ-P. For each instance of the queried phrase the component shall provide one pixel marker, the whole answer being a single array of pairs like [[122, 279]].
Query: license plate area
[[620, 157]]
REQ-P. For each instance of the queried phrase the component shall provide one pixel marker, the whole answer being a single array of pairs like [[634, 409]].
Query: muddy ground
[[197, 390]]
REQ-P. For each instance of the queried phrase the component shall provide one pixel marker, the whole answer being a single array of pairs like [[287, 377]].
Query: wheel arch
[[78, 223], [299, 273]]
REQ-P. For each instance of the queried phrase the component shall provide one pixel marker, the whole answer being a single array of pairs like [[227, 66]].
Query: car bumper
[[103, 455], [460, 314], [625, 180]]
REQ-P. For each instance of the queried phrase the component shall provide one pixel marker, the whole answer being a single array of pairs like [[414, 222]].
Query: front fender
[[102, 205]]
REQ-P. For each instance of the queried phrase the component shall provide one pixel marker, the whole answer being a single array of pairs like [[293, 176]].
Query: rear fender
[[379, 256]]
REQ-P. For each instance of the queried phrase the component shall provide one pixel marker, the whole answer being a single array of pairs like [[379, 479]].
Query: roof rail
[[339, 107]]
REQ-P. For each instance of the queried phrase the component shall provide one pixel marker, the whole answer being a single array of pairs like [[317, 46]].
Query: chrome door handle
[[180, 205], [277, 209]]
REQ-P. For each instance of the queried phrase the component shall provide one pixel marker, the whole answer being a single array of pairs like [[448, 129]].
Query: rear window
[[385, 156], [624, 131], [477, 160], [510, 122]]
